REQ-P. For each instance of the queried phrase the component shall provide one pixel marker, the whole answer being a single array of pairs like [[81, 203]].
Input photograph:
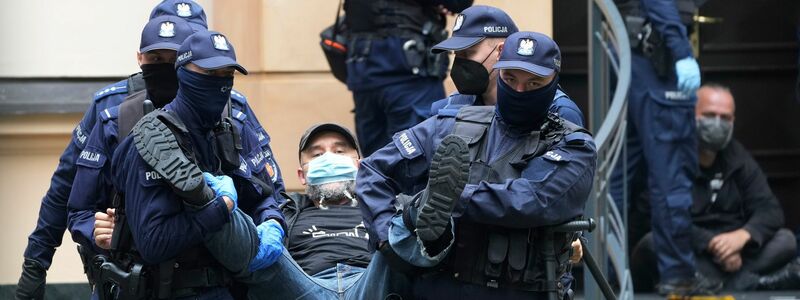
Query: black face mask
[[469, 76], [205, 95], [161, 83], [525, 110]]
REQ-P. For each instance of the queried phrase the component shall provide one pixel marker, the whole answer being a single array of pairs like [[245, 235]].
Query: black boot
[[159, 148], [446, 180], [786, 278]]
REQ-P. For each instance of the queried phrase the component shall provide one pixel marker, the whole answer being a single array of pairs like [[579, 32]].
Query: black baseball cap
[[209, 50], [532, 52], [164, 32], [475, 24], [315, 130]]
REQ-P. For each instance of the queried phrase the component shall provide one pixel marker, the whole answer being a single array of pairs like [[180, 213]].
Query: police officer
[[661, 140], [159, 171], [162, 37], [393, 77], [493, 175], [479, 33], [52, 219]]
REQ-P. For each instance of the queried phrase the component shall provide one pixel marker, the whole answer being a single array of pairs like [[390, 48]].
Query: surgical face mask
[[161, 82], [524, 110], [330, 167], [714, 133], [469, 76]]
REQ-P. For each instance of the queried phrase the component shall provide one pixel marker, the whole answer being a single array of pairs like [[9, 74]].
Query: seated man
[[495, 175], [328, 256], [736, 220]]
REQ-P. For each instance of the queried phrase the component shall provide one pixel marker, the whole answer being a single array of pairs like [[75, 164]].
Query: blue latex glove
[[270, 245], [688, 75], [222, 186]]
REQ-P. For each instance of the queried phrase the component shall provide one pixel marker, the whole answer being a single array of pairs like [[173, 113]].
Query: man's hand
[[732, 263], [270, 245], [577, 252], [729, 243], [103, 228]]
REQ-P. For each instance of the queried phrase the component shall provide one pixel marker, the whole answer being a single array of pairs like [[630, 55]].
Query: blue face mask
[[525, 110], [330, 167], [205, 95]]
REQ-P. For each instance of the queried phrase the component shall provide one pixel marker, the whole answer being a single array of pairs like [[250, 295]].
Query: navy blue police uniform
[[93, 175], [551, 187], [162, 225], [52, 220], [393, 77], [661, 143]]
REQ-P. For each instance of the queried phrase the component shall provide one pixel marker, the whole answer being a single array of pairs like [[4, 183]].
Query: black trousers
[[774, 254]]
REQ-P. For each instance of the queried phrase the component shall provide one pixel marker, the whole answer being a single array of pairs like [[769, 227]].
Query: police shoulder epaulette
[[239, 115], [110, 113], [118, 87], [238, 97]]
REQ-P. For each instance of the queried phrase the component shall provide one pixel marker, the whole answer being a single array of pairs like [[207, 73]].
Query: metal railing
[[609, 60]]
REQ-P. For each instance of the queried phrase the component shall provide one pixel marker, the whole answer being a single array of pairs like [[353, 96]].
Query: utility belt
[[116, 279], [420, 26], [648, 42], [508, 258]]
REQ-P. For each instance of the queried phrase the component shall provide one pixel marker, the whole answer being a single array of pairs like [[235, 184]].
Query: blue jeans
[[286, 280]]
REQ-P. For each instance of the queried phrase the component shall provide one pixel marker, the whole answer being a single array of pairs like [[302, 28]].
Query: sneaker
[[446, 180], [697, 286], [785, 278], [159, 148]]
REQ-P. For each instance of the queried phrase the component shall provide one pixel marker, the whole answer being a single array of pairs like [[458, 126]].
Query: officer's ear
[[499, 50], [139, 57], [301, 175]]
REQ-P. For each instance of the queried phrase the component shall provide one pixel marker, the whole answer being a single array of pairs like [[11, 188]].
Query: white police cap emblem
[[220, 43], [167, 30], [459, 22], [183, 10], [526, 47]]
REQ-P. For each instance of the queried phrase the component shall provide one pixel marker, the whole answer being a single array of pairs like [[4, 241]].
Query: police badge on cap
[[459, 22], [183, 10], [526, 47], [220, 43], [167, 30]]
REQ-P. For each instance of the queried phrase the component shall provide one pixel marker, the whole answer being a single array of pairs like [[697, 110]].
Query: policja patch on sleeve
[[407, 143]]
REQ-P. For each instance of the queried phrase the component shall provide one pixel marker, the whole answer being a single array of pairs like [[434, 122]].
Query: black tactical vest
[[496, 256]]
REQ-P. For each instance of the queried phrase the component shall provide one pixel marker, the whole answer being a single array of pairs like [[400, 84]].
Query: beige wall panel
[[72, 38], [288, 104], [529, 15], [29, 151], [240, 21], [290, 37]]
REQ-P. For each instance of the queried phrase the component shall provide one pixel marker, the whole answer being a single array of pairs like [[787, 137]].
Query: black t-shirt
[[321, 238]]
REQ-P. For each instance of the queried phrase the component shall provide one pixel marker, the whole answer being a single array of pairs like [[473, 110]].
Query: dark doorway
[[754, 50]]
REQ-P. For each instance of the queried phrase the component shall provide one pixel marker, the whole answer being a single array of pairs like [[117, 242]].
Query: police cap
[[532, 52], [475, 24], [209, 50], [164, 32]]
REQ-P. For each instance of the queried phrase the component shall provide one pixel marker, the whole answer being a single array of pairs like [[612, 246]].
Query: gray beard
[[332, 193]]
